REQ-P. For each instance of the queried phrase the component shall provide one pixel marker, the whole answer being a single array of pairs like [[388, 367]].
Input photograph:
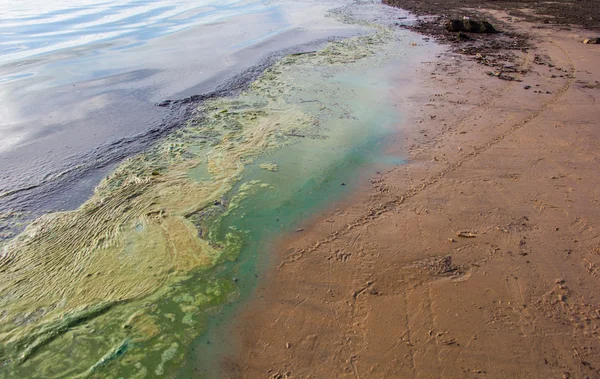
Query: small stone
[[466, 234]]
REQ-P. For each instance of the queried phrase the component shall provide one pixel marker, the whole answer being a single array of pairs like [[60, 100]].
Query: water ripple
[[32, 27]]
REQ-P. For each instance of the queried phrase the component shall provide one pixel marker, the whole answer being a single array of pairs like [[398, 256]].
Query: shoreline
[[200, 199], [477, 258], [212, 344]]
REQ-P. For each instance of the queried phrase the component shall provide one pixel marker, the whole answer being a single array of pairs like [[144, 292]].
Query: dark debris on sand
[[465, 26], [479, 39], [585, 13], [470, 32]]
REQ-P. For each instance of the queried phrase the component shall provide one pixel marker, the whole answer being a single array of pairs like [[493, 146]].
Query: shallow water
[[140, 280]]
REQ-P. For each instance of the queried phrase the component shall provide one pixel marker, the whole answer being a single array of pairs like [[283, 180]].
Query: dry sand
[[386, 287]]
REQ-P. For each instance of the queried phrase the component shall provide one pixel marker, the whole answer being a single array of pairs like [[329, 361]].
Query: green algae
[[112, 354], [50, 330], [122, 283], [167, 355], [269, 166]]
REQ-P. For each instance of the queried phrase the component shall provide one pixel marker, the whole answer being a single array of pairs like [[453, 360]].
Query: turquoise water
[[313, 174]]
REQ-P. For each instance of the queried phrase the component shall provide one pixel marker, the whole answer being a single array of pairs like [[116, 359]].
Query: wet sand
[[478, 258]]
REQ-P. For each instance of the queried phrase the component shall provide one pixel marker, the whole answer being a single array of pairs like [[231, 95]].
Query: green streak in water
[[312, 174]]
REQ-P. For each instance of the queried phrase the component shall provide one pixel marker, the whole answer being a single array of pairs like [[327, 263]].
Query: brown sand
[[386, 286]]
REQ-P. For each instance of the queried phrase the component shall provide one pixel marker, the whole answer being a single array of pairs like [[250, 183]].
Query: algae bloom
[[119, 287]]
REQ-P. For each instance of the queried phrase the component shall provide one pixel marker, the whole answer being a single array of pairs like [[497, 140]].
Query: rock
[[592, 41], [470, 26], [462, 37]]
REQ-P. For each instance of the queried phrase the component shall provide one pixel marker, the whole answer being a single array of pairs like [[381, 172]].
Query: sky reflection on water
[[32, 27]]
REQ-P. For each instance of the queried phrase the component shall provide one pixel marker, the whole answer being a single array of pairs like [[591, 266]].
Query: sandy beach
[[479, 258], [274, 189]]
